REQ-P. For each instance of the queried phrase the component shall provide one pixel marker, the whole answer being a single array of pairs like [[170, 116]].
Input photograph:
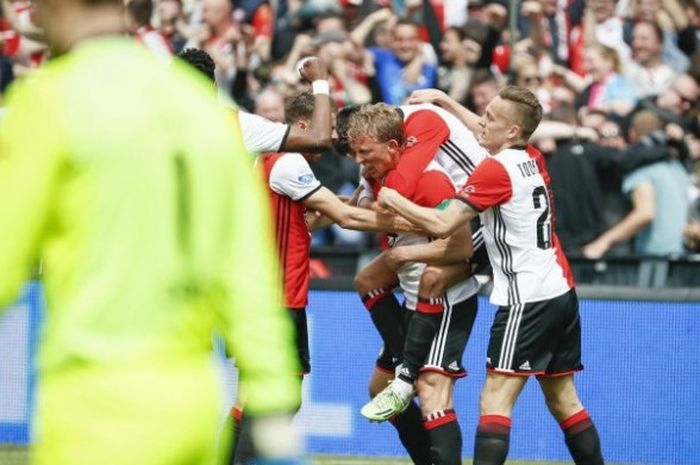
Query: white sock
[[404, 388]]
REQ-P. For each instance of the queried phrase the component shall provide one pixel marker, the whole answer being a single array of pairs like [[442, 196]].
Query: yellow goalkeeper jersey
[[122, 175]]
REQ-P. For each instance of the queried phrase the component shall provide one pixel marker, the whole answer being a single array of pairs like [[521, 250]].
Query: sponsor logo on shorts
[[454, 366]]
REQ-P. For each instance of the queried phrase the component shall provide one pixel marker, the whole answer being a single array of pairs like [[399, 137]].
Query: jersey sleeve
[[433, 187], [31, 148], [292, 176], [261, 134], [488, 186], [425, 132]]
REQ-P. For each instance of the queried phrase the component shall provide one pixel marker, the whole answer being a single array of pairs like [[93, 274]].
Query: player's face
[[376, 158], [495, 125]]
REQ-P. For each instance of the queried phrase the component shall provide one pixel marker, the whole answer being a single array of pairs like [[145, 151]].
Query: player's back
[[144, 167]]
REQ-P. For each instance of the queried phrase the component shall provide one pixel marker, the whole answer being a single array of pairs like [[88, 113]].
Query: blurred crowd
[[618, 80]]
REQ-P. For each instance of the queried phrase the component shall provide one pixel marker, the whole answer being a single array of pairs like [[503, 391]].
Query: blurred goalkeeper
[[116, 171]]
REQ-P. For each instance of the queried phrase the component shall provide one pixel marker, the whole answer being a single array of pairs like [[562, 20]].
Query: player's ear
[[514, 132], [393, 146], [303, 125]]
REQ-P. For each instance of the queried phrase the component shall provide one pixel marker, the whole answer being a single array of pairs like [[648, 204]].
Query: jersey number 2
[[544, 225]]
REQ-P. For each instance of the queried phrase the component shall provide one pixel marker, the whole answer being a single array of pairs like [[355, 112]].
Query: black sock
[[445, 437], [492, 440], [243, 450], [582, 439], [421, 331], [386, 316], [413, 436]]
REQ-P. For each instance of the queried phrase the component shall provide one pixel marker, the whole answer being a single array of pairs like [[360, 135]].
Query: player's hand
[[387, 197], [427, 96], [314, 69], [276, 440], [595, 249]]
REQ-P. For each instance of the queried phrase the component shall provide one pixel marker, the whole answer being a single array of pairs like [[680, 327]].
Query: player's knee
[[494, 401], [362, 283], [432, 282], [434, 392], [562, 405]]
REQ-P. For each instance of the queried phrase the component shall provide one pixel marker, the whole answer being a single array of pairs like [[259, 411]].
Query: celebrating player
[[536, 330]]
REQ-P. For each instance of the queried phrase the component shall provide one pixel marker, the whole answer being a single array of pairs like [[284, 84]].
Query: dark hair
[[200, 60], [342, 144], [482, 76], [141, 11], [299, 106]]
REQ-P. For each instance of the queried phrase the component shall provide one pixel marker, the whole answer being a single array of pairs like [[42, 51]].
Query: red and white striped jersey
[[512, 191], [290, 181]]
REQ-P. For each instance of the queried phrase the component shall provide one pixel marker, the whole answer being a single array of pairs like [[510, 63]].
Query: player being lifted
[[536, 330]]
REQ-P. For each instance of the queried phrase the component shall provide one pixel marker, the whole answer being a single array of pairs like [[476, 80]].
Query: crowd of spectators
[[618, 80]]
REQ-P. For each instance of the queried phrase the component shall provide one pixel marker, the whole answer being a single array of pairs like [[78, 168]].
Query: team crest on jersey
[[411, 141], [468, 190], [306, 178]]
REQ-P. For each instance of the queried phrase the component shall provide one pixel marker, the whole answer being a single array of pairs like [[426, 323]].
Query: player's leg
[[409, 423], [439, 417], [421, 341], [579, 430], [430, 310], [498, 396], [374, 284], [443, 365], [559, 390]]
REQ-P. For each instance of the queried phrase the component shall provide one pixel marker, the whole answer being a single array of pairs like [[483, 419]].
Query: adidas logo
[[404, 371], [453, 366], [525, 366]]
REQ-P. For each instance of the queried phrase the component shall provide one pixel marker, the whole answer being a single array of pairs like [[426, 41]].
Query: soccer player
[[377, 137], [261, 135], [122, 175], [294, 189], [536, 330]]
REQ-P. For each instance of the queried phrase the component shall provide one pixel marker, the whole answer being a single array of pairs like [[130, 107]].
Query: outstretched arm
[[348, 217], [439, 223]]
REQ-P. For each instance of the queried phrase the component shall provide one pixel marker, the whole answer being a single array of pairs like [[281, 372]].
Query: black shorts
[[538, 338], [298, 316], [448, 346]]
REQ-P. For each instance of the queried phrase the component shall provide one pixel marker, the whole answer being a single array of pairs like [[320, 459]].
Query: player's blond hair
[[527, 111], [381, 121]]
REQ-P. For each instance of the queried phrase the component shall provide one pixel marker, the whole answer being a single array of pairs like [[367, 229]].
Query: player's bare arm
[[439, 223], [349, 217], [457, 248], [317, 137]]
